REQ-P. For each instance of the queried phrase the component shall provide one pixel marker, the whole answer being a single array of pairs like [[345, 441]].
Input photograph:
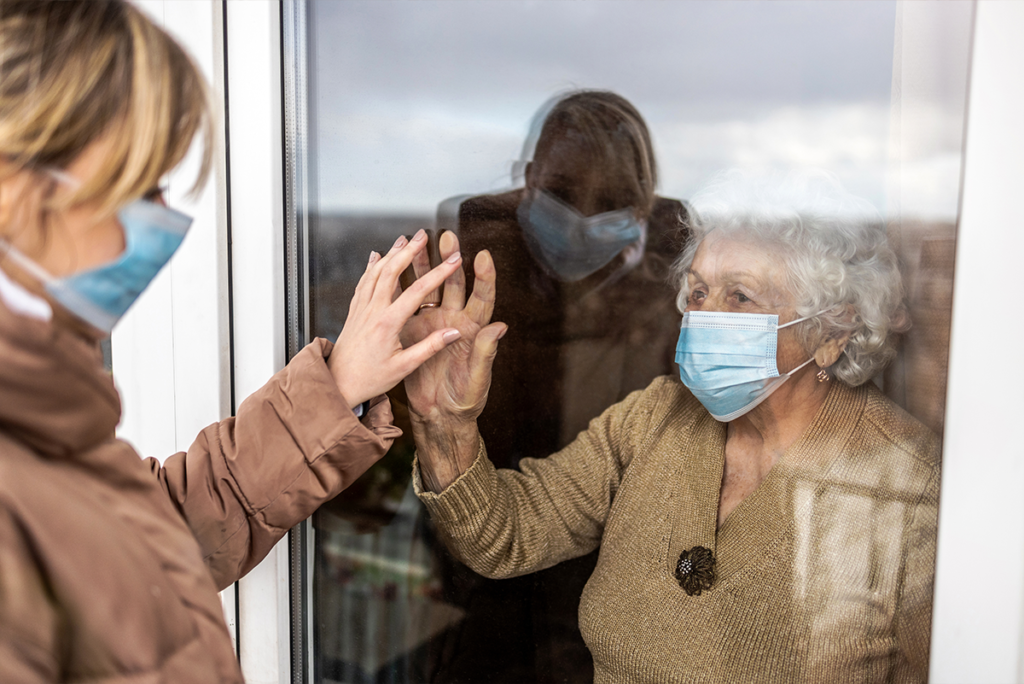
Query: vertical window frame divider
[[256, 191], [295, 137]]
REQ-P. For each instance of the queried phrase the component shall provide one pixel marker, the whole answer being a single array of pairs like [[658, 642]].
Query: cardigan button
[[695, 570]]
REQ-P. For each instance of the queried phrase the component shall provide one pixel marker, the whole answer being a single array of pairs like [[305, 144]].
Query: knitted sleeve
[[504, 523]]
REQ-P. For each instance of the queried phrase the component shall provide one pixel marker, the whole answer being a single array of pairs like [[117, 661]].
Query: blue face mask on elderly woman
[[101, 296], [569, 244], [727, 360]]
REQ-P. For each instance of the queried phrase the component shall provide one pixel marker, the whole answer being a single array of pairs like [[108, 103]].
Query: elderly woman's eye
[[697, 296], [742, 298]]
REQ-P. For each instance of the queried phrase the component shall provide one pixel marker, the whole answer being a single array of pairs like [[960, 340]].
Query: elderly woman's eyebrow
[[747, 278]]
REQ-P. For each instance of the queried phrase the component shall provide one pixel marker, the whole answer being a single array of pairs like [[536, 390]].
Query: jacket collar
[[55, 395]]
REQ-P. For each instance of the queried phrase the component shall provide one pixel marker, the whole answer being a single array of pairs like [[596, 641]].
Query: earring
[[822, 375]]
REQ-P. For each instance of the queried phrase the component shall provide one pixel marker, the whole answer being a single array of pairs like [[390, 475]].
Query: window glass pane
[[427, 114]]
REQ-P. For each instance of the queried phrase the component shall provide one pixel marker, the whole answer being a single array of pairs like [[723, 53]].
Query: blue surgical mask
[[570, 245], [101, 296], [727, 360]]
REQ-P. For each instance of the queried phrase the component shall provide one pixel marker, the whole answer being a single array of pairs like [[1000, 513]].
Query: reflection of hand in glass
[[448, 392], [369, 358]]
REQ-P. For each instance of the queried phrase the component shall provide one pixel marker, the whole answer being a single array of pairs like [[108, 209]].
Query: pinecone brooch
[[696, 570]]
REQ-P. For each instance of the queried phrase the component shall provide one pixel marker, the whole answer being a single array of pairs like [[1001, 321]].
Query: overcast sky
[[418, 101]]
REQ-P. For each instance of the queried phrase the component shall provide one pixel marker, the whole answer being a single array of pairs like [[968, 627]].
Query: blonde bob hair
[[73, 73]]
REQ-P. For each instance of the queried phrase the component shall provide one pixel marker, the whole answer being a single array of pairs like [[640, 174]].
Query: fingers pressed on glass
[[481, 357], [455, 285], [364, 288], [421, 266], [421, 263], [375, 268], [481, 303], [400, 242], [390, 268], [420, 291], [414, 356]]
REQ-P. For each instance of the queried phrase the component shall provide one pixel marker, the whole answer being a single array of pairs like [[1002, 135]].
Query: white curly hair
[[834, 250]]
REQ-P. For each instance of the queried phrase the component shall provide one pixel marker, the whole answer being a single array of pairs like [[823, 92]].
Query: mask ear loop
[[800, 320], [790, 373], [23, 262]]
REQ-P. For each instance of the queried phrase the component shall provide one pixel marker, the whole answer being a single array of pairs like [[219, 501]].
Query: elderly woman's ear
[[828, 352], [832, 346]]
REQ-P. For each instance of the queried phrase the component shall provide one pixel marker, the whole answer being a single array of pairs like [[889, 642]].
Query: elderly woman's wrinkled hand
[[369, 357], [454, 384], [447, 393]]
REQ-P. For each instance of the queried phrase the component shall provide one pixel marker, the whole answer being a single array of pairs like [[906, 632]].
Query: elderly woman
[[772, 516]]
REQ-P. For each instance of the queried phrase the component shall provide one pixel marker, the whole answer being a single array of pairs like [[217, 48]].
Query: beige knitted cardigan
[[824, 572]]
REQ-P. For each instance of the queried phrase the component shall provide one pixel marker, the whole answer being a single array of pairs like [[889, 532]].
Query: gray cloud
[[418, 101], [475, 52]]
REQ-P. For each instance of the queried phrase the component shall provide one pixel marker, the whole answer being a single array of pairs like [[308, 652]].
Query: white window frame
[[172, 351], [210, 330], [977, 629], [179, 335], [253, 30]]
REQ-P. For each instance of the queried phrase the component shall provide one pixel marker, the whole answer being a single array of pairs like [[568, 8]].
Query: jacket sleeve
[[29, 621], [504, 523], [293, 444]]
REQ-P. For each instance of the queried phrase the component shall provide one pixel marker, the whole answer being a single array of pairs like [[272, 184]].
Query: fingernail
[[373, 257], [451, 336], [400, 242], [502, 333], [420, 235], [454, 258]]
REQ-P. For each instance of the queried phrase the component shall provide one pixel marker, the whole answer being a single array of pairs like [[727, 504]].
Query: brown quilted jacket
[[110, 564]]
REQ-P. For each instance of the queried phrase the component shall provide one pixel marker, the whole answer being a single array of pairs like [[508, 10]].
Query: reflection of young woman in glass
[[582, 254], [772, 517]]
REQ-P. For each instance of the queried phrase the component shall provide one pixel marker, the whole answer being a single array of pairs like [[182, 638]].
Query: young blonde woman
[[110, 564]]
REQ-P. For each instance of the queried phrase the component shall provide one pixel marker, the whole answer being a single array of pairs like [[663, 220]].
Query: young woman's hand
[[448, 391], [369, 358]]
